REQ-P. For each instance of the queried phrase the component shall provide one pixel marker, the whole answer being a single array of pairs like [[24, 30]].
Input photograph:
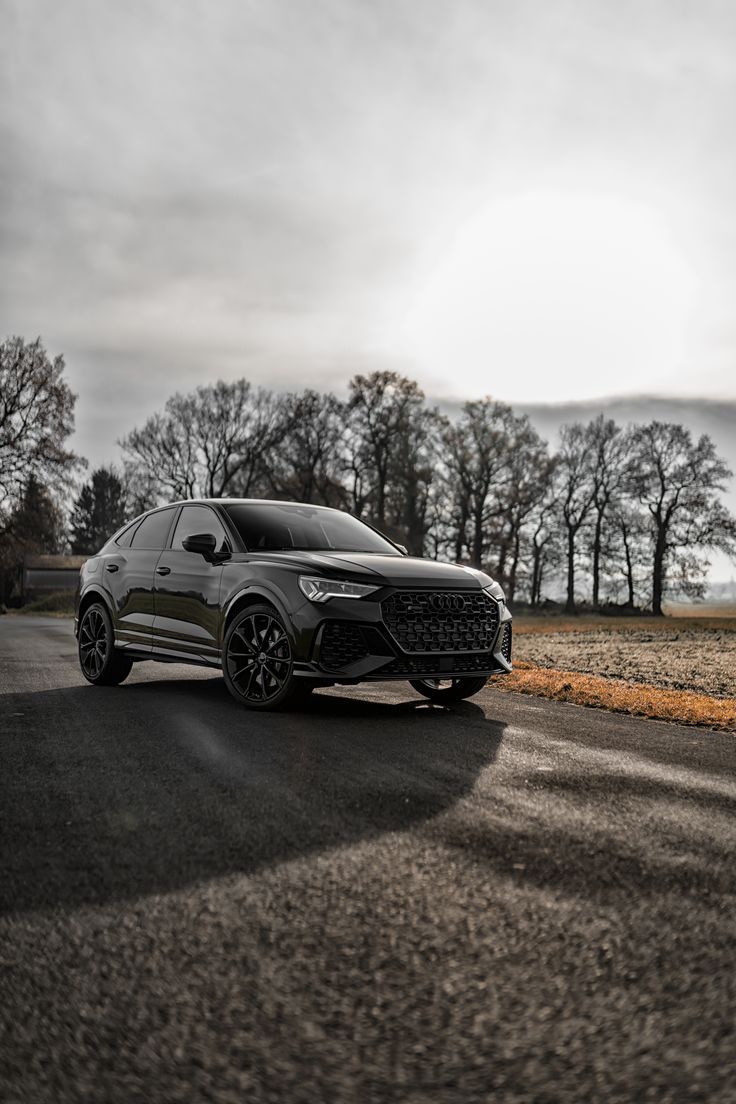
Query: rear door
[[187, 594], [128, 577]]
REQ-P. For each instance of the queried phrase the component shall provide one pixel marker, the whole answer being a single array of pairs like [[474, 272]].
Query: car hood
[[390, 570]]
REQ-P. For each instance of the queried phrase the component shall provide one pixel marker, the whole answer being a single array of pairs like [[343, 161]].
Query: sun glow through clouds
[[549, 295]]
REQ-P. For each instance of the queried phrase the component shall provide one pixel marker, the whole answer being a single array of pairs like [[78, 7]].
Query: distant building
[[43, 575]]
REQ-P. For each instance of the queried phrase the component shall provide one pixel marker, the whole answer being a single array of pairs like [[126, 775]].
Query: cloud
[[192, 190]]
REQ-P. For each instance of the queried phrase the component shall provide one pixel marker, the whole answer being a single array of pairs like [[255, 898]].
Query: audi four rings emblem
[[454, 602]]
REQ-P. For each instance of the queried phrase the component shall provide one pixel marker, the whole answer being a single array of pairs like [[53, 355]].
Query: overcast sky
[[528, 199]]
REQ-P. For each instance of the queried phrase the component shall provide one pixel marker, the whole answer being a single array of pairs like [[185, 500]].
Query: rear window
[[153, 530], [127, 534], [276, 528]]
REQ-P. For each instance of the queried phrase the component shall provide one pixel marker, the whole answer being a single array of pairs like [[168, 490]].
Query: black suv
[[285, 598]]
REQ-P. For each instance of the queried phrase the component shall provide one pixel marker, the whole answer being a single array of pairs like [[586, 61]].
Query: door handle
[[111, 567], [163, 570]]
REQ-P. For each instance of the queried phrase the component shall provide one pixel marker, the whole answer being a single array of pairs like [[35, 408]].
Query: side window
[[199, 519], [153, 530], [126, 536]]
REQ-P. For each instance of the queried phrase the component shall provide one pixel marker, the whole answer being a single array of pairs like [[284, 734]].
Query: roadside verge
[[619, 696]]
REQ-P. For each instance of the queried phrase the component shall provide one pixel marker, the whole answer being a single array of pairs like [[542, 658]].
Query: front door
[[187, 590]]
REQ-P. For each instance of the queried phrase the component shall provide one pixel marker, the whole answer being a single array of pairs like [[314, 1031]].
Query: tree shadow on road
[[114, 793]]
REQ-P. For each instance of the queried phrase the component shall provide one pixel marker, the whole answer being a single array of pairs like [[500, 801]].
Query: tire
[[101, 662], [257, 660], [448, 690]]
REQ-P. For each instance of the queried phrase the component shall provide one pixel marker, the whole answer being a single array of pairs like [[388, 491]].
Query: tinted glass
[[127, 535], [275, 528], [198, 519], [153, 530]]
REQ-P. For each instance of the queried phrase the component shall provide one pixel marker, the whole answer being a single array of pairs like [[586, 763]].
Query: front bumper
[[362, 648]]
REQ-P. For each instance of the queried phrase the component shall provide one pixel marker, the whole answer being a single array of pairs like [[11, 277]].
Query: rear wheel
[[102, 663], [257, 660], [448, 690]]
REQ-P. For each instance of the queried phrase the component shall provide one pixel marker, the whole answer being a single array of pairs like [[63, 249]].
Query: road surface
[[376, 900]]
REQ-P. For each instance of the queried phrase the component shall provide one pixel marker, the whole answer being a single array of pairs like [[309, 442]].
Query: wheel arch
[[255, 596], [92, 594]]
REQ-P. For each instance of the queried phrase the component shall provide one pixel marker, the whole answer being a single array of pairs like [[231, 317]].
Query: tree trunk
[[381, 503], [501, 572], [570, 604], [629, 572], [477, 540], [535, 576], [597, 559], [658, 574], [514, 568]]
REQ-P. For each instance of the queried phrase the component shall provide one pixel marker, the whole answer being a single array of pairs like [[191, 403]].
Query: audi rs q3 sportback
[[284, 598]]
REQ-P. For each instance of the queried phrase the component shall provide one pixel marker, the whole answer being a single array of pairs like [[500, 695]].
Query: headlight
[[319, 590]]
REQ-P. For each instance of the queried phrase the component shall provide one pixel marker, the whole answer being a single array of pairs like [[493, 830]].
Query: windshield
[[276, 528]]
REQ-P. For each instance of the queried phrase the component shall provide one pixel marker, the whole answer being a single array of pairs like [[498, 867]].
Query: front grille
[[342, 643], [506, 643], [441, 621], [407, 667]]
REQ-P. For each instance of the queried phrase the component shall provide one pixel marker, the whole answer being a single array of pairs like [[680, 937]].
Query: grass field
[[680, 668]]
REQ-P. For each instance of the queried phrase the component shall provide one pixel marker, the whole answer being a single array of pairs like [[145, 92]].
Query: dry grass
[[671, 654], [702, 609], [640, 699], [588, 622]]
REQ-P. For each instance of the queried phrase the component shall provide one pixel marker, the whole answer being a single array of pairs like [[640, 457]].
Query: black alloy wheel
[[257, 660], [448, 690], [102, 664]]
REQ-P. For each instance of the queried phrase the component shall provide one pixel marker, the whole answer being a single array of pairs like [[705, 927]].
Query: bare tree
[[544, 537], [478, 457], [529, 473], [629, 554], [379, 409], [214, 441], [237, 428], [36, 417], [389, 454], [416, 462], [577, 494], [307, 465], [610, 450], [679, 484], [163, 450]]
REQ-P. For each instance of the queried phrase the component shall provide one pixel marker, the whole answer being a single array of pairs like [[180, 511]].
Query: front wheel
[[448, 690], [102, 664], [257, 660]]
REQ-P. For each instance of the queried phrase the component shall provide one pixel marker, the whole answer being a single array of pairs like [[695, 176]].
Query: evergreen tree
[[99, 510]]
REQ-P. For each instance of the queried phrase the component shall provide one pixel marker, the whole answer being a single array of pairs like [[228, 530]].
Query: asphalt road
[[374, 900]]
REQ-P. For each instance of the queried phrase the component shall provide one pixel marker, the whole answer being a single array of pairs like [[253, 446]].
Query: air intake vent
[[431, 666], [342, 644]]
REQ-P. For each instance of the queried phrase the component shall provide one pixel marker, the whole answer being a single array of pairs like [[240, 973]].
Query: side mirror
[[203, 543], [402, 549]]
